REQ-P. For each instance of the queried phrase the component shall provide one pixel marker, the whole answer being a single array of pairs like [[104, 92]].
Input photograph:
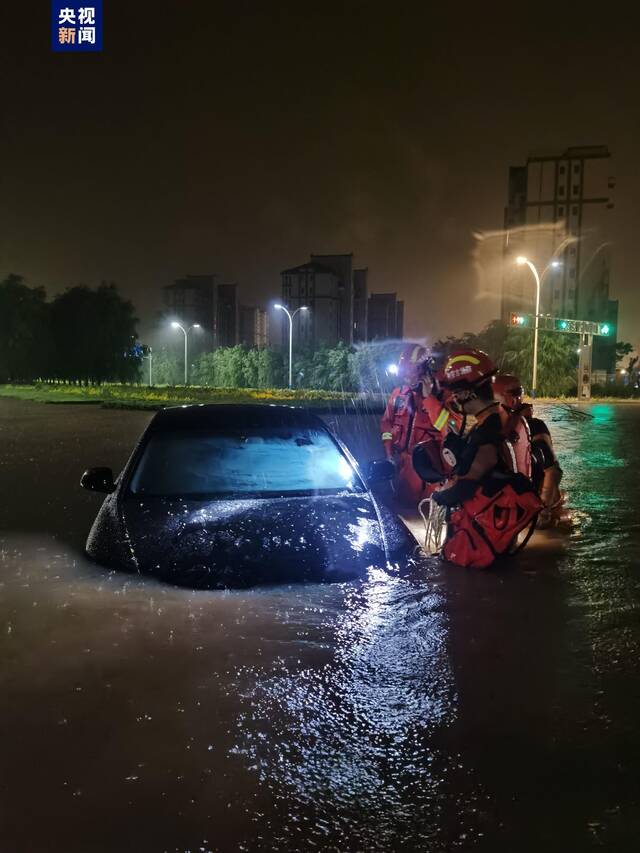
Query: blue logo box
[[76, 26]]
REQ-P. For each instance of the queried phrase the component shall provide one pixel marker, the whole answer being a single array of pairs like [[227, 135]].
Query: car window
[[260, 461]]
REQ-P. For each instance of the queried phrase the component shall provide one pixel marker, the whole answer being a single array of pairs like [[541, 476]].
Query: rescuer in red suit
[[489, 500], [546, 471], [414, 415]]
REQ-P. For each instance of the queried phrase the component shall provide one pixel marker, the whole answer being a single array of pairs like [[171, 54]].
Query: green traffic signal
[[605, 329]]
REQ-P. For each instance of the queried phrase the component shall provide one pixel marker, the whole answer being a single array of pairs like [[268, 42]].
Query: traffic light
[[518, 320], [563, 325], [605, 329]]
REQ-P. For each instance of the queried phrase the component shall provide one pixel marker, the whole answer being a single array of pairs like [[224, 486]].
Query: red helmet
[[508, 390], [412, 362], [467, 367]]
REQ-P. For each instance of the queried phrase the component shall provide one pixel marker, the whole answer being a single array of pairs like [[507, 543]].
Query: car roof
[[233, 416]]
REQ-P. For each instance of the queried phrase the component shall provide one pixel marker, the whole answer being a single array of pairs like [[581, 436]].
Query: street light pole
[[185, 332], [291, 316], [150, 357], [525, 261]]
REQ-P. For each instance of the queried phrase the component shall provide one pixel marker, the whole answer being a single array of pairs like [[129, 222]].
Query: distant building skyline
[[339, 303], [254, 326], [385, 317], [317, 287], [213, 306], [559, 206], [192, 299]]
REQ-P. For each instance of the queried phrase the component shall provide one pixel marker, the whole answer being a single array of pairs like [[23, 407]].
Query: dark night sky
[[238, 137]]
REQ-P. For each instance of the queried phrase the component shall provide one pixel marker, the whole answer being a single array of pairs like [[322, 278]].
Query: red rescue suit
[[485, 515], [411, 417]]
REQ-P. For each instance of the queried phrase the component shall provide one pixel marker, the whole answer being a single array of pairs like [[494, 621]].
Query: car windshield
[[262, 461]]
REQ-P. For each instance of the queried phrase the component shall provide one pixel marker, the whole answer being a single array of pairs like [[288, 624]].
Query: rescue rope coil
[[435, 525]]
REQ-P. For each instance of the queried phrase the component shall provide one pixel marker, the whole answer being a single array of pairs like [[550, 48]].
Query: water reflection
[[350, 749]]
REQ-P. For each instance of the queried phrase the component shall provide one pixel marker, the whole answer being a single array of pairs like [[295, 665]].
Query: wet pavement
[[447, 710]]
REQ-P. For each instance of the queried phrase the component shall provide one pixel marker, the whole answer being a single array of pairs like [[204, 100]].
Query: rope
[[435, 522]]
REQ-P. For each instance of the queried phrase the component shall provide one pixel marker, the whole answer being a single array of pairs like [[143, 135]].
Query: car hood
[[225, 543]]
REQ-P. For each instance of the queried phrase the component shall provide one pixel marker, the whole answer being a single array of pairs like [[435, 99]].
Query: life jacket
[[395, 425], [516, 447], [411, 418], [503, 505]]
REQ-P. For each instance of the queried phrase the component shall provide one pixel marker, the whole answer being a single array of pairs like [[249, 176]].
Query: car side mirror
[[380, 471], [98, 480]]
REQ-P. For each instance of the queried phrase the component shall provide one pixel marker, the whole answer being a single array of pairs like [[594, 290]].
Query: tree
[[93, 331], [229, 367], [270, 369], [557, 360], [623, 348], [492, 340], [303, 368], [339, 375], [167, 368], [25, 341], [251, 368], [204, 370]]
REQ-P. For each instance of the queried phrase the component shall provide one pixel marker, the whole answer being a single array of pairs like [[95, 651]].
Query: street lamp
[[290, 316], [522, 261], [185, 332]]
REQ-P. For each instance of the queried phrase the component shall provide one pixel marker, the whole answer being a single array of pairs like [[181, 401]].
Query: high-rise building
[[317, 287], [326, 286], [262, 328], [360, 304], [385, 316], [340, 307], [254, 326], [560, 207], [192, 300], [227, 315], [342, 268], [198, 299]]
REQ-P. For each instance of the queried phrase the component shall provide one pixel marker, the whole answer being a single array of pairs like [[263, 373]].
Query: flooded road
[[448, 710]]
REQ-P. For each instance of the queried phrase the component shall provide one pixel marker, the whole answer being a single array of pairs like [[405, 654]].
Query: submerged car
[[236, 495]]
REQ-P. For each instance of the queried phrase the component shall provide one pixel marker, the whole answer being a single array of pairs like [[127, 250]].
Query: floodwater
[[451, 710]]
